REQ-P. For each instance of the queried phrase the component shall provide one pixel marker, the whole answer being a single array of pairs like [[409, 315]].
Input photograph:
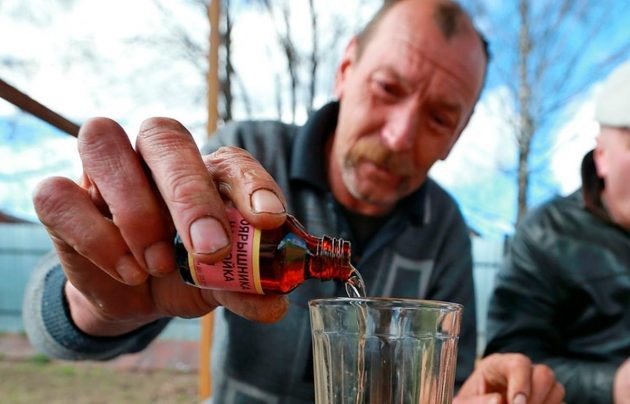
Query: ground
[[165, 373], [55, 383]]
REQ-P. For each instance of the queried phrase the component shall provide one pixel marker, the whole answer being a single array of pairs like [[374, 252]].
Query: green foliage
[[39, 359]]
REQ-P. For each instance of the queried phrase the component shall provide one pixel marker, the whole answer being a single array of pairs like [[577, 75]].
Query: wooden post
[[26, 103], [214, 12], [205, 342]]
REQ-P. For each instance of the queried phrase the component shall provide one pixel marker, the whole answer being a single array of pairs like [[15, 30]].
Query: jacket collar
[[308, 163]]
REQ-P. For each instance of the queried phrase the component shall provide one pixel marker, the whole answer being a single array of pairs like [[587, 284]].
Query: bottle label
[[240, 270]]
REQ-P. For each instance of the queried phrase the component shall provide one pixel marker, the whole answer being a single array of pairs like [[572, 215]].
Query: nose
[[401, 127]]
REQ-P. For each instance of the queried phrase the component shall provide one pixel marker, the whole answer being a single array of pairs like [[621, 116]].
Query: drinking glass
[[382, 350]]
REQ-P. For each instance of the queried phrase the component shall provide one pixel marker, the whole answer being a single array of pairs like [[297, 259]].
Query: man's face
[[403, 104], [612, 159]]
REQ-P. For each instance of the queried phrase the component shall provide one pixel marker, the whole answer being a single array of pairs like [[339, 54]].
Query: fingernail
[[159, 258], [208, 235], [130, 271], [265, 201], [520, 399]]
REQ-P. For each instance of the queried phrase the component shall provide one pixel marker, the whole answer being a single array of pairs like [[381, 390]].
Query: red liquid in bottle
[[272, 261]]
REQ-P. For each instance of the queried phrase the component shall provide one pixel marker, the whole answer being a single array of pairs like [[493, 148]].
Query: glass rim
[[402, 303]]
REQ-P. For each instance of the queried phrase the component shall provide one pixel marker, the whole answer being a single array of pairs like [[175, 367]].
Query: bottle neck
[[331, 259]]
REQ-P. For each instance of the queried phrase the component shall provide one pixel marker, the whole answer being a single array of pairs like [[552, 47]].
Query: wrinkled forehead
[[414, 23]]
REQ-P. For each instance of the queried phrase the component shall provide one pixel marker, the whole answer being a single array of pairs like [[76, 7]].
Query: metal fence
[[22, 245], [487, 258]]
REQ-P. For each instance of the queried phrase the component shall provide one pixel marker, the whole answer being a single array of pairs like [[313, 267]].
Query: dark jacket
[[563, 296]]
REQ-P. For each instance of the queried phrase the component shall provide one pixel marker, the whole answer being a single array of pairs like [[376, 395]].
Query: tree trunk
[[526, 129], [228, 67], [314, 59]]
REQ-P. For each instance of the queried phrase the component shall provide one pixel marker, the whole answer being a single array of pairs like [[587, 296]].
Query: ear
[[599, 157], [348, 59]]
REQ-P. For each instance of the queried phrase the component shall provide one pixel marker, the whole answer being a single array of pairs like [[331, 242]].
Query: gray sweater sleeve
[[51, 331]]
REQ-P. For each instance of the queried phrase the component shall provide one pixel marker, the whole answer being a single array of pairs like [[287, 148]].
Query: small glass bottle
[[269, 261]]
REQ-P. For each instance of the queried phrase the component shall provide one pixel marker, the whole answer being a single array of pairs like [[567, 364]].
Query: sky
[[85, 60], [81, 61]]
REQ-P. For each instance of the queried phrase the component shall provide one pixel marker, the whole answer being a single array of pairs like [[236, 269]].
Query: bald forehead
[[445, 16], [448, 15], [442, 32]]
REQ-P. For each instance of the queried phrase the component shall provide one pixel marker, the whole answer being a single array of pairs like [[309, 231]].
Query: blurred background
[[129, 60]]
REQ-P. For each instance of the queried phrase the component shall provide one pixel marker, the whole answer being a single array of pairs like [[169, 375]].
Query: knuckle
[[519, 359], [545, 371], [229, 151], [226, 157], [186, 188], [229, 163], [496, 357], [94, 128], [104, 148], [163, 141], [95, 135], [159, 127], [49, 198]]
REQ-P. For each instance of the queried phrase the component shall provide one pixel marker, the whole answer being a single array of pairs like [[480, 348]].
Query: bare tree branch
[[551, 66]]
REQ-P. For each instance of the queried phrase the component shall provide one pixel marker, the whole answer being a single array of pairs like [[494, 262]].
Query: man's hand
[[621, 385], [510, 378], [114, 229]]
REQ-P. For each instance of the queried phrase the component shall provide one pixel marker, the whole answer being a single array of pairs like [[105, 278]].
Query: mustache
[[372, 150]]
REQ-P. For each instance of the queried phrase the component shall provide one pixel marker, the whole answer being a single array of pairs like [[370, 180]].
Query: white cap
[[613, 103]]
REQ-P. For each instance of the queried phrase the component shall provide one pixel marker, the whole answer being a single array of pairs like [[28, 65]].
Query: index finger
[[118, 186], [244, 181], [516, 372], [186, 187]]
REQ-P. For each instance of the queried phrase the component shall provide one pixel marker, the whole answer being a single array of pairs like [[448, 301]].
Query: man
[[563, 297], [358, 169]]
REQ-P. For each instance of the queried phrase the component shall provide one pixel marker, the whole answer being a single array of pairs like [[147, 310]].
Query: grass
[[40, 359], [40, 380]]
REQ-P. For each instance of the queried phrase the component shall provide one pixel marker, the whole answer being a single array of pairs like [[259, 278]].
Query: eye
[[386, 88], [442, 121], [439, 119]]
